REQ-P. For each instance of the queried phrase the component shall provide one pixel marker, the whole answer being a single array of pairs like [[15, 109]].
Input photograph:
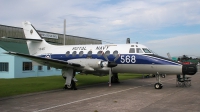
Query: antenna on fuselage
[[169, 56], [128, 41]]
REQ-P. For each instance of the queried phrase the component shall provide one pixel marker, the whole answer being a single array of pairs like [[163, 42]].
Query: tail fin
[[29, 31], [34, 47]]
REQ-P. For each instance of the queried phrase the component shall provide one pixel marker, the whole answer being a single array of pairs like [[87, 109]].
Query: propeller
[[110, 65]]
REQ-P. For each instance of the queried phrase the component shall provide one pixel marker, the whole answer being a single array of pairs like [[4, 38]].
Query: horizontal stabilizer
[[14, 38]]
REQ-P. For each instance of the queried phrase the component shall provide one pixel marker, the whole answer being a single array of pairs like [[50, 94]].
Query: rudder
[[29, 31]]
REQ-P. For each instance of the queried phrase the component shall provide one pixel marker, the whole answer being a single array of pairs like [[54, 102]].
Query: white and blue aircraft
[[98, 59]]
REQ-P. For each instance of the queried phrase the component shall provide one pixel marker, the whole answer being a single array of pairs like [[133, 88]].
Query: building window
[[4, 67], [27, 66], [48, 68], [39, 67]]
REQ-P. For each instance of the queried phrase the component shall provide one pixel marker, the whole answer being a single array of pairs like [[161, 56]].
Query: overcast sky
[[162, 25]]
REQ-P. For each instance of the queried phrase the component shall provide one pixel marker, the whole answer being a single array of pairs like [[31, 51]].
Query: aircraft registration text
[[128, 59]]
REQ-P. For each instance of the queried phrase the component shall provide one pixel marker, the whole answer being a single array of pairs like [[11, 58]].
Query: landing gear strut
[[158, 85], [68, 75], [114, 78]]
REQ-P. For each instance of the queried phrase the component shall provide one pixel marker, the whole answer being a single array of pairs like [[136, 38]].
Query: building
[[17, 67]]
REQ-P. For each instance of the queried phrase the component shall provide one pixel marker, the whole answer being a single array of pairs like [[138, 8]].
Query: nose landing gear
[[158, 85]]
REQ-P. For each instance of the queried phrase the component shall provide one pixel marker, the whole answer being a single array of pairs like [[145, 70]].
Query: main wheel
[[163, 75], [71, 86], [158, 86], [114, 78]]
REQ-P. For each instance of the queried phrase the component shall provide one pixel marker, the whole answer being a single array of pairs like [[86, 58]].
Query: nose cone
[[189, 69]]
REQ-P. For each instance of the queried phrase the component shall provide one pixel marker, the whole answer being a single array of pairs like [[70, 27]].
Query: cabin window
[[132, 50], [132, 45], [115, 53], [99, 53], [74, 53], [139, 50], [107, 53], [67, 53], [81, 53], [146, 50], [89, 53]]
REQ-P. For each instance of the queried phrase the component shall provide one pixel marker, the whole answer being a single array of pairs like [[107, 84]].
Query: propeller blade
[[117, 57], [105, 56]]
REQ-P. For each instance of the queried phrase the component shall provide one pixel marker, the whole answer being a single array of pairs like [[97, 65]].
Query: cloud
[[117, 22], [185, 44], [184, 40], [104, 19]]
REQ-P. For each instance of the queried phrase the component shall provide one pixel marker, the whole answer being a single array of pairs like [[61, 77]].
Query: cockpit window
[[132, 50], [153, 52], [146, 50], [139, 50]]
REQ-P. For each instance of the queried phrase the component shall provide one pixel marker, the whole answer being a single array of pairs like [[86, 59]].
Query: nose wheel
[[158, 86]]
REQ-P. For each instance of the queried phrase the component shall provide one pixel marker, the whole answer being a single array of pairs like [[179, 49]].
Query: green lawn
[[10, 87]]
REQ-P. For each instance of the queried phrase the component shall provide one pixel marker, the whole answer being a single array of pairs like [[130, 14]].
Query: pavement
[[134, 95]]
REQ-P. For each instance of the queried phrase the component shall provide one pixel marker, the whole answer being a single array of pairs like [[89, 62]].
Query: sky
[[164, 26]]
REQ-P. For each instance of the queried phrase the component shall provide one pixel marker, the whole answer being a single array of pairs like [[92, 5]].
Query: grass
[[17, 86]]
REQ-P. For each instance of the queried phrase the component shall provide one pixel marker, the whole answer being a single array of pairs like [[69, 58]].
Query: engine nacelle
[[88, 63], [93, 64]]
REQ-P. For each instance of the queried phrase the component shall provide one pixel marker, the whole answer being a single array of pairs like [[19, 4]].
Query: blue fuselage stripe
[[123, 59]]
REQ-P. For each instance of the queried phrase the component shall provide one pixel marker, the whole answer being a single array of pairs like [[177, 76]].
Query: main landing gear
[[114, 78], [68, 75], [158, 85], [72, 86]]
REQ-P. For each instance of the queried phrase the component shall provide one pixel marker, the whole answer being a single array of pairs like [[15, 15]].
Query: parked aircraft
[[98, 59]]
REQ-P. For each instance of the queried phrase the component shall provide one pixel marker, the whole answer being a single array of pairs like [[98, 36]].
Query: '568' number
[[128, 59]]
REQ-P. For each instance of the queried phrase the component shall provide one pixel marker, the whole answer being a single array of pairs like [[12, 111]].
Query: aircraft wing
[[46, 61]]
